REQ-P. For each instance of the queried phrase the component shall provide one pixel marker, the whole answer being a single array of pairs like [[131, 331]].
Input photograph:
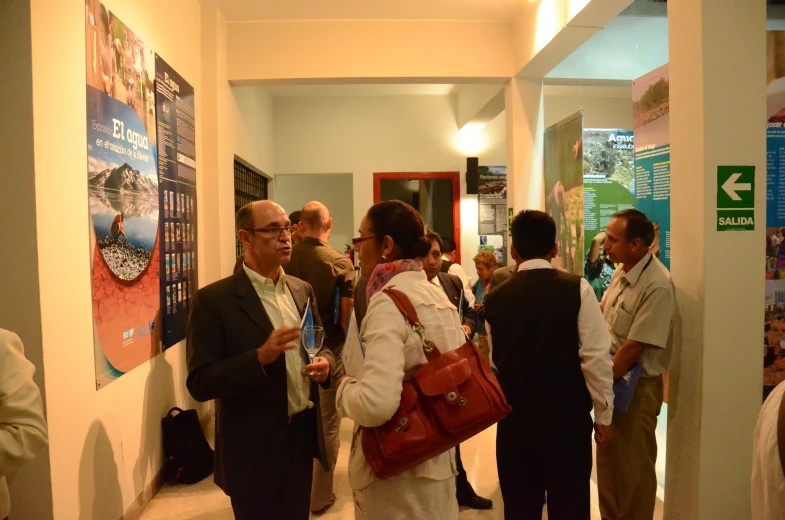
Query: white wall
[[603, 107], [295, 191], [367, 134], [90, 479]]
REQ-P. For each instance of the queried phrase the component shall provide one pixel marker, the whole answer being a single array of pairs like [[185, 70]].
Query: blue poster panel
[[651, 112]]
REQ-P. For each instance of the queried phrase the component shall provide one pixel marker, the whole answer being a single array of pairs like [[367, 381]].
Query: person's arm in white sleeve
[[595, 355], [22, 426], [458, 270], [374, 399]]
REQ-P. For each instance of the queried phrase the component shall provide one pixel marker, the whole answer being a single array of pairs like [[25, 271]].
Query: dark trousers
[[462, 486], [290, 498], [538, 455]]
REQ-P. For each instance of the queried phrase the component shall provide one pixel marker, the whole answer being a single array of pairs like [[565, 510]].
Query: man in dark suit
[[453, 288], [243, 350]]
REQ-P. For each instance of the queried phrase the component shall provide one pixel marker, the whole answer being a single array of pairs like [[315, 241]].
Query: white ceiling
[[251, 10], [360, 90], [626, 49]]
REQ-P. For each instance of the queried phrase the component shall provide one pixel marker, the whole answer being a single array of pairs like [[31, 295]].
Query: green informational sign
[[735, 198]]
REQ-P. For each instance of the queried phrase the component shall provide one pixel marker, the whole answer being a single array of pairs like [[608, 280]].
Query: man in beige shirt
[[638, 308]]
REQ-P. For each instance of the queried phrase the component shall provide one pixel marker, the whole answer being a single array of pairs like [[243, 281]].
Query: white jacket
[[22, 426], [393, 351]]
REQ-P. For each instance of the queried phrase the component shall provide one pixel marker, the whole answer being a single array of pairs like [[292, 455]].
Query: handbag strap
[[432, 353], [406, 307]]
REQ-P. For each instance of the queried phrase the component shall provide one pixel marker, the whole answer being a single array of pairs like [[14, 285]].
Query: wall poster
[[563, 164], [492, 226], [177, 179], [774, 326], [651, 113], [126, 195], [608, 187], [123, 194]]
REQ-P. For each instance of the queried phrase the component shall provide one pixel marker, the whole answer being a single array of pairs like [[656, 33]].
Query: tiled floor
[[204, 501]]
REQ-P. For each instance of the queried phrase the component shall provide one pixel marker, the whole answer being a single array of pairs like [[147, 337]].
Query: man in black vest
[[552, 349], [453, 288]]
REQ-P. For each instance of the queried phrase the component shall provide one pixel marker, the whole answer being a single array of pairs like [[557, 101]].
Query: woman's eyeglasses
[[273, 232], [358, 240]]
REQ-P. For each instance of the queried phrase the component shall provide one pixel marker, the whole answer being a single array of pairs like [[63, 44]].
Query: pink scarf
[[383, 273]]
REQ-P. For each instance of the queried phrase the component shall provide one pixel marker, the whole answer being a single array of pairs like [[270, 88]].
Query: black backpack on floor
[[188, 457]]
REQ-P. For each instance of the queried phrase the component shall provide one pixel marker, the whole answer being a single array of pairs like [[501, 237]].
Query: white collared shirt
[[768, 484], [594, 349], [457, 270], [282, 311]]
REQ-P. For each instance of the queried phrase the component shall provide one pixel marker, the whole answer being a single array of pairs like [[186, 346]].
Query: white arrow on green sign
[[735, 198]]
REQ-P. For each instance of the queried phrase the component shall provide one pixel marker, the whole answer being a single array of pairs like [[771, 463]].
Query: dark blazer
[[226, 325], [453, 288]]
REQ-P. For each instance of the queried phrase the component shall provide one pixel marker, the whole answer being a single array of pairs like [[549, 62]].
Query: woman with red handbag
[[392, 236]]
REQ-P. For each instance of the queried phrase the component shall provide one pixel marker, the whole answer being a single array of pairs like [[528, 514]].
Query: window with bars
[[249, 185]]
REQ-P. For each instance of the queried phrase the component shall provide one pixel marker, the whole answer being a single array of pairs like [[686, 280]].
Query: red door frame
[[455, 177]]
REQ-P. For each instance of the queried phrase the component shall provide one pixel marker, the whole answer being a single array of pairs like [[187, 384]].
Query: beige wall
[[19, 304], [92, 476], [602, 108], [366, 134]]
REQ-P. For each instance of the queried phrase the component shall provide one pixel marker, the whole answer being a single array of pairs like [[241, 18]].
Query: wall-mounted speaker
[[472, 175]]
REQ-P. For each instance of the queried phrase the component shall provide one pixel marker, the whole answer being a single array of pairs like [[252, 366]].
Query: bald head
[[258, 214], [315, 220]]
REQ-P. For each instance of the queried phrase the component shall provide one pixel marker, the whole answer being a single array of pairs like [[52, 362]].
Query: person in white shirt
[[22, 426], [768, 480], [450, 266], [552, 350], [392, 236]]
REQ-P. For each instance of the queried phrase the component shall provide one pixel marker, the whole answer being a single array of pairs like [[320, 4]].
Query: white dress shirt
[[393, 352], [458, 270], [768, 482], [594, 349], [282, 311], [22, 427]]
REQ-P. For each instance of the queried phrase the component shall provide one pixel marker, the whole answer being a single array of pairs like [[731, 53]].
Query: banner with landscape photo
[[563, 164]]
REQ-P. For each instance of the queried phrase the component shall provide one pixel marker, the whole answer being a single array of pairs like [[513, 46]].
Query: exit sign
[[735, 198]]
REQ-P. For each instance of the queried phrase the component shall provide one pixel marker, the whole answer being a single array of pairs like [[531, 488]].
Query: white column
[[525, 128], [717, 117]]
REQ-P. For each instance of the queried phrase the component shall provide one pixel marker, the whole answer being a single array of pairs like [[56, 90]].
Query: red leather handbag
[[452, 398]]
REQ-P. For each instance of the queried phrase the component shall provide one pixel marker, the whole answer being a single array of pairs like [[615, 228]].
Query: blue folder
[[624, 388]]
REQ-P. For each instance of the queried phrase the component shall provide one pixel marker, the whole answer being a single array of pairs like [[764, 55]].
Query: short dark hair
[[433, 236], [533, 234], [638, 225], [244, 218], [295, 217], [403, 224], [448, 245]]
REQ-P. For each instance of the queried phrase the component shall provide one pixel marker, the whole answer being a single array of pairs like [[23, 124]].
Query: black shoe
[[320, 512], [475, 502]]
